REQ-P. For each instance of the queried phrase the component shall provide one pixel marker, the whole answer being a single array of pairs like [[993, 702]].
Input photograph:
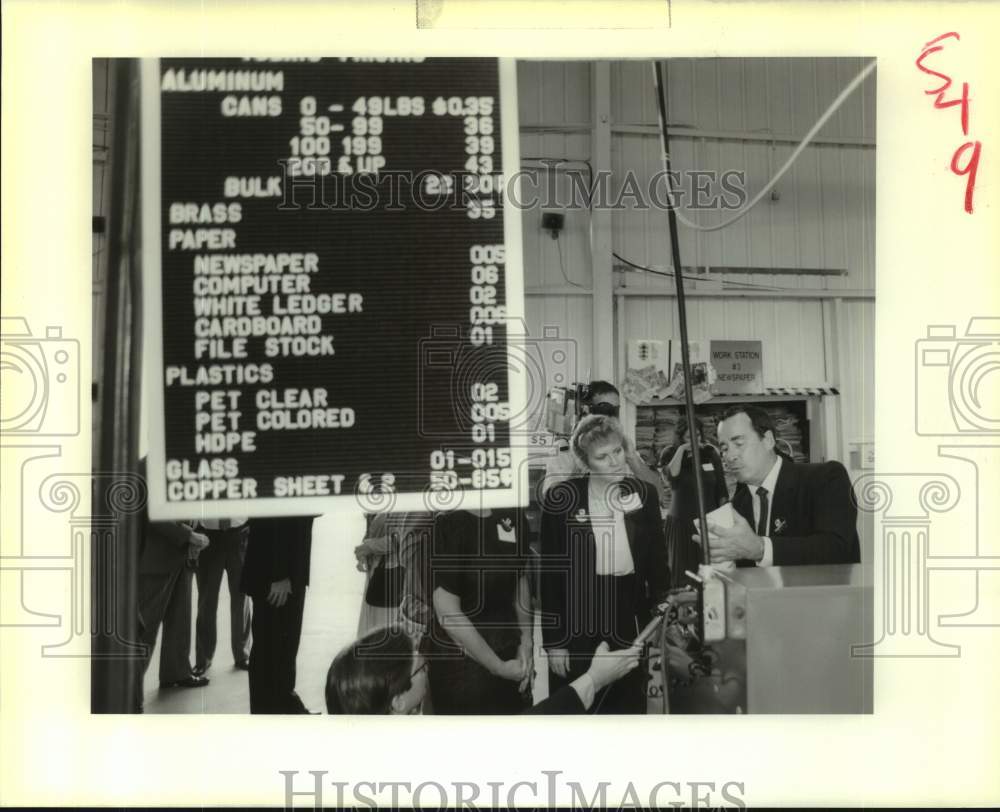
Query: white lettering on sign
[[183, 213], [299, 346], [311, 485], [227, 306], [318, 303], [244, 285], [226, 81], [197, 239], [219, 442], [218, 400], [212, 489], [218, 349], [205, 469], [251, 106], [287, 419], [257, 326], [256, 263], [290, 398], [381, 59], [219, 375], [255, 298], [252, 187]]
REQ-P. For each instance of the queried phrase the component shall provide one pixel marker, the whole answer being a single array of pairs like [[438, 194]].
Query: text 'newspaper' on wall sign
[[739, 367]]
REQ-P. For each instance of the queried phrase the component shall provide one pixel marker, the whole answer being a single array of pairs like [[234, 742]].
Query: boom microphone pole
[[693, 433]]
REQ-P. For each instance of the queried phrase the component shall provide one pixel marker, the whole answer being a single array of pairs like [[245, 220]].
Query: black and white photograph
[[475, 404], [424, 354]]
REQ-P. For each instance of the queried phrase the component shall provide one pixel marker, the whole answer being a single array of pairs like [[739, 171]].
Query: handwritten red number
[[943, 36], [943, 76], [970, 169], [964, 101], [971, 166], [939, 103]]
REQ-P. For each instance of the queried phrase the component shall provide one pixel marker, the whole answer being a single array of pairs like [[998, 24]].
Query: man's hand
[[559, 661], [511, 669], [733, 543], [610, 666], [280, 590], [198, 540], [363, 556]]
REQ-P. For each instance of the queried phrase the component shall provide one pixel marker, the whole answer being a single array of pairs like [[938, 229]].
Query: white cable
[[852, 85]]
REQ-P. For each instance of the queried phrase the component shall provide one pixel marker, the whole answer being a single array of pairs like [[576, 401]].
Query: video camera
[[566, 405]]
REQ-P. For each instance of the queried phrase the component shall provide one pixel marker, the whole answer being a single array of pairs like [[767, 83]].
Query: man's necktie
[[762, 520]]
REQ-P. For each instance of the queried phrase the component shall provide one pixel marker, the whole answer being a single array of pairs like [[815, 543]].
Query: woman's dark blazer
[[569, 560]]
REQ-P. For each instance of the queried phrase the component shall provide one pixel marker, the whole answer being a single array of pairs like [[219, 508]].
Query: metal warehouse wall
[[742, 114]]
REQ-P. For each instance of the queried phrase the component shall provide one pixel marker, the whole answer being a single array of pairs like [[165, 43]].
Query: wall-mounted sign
[[739, 367], [329, 278]]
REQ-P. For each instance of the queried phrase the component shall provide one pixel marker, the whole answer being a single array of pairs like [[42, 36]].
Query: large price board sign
[[330, 276]]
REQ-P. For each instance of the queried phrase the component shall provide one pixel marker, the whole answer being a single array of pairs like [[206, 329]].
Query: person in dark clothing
[[385, 672], [481, 636], [275, 576], [786, 513], [225, 553], [603, 560], [166, 565], [677, 467]]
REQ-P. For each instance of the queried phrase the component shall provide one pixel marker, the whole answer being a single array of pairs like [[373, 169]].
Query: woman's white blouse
[[613, 555]]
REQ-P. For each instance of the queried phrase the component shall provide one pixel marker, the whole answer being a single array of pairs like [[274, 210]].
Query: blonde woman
[[604, 563]]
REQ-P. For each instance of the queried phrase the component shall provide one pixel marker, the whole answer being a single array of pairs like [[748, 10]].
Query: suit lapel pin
[[779, 525], [631, 502], [505, 530]]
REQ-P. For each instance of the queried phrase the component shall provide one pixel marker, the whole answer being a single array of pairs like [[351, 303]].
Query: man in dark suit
[[786, 513], [275, 576], [226, 551], [166, 564]]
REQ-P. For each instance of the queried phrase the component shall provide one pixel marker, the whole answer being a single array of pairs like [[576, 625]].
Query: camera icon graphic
[[41, 381], [452, 372], [958, 380]]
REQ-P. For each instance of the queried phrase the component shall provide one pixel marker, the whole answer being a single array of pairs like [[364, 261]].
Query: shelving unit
[[799, 420]]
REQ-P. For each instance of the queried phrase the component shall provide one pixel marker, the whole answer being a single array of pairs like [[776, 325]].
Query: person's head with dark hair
[[380, 673], [602, 398], [681, 432], [747, 442], [680, 438]]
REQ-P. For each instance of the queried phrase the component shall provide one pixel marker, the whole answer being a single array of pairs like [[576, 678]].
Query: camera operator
[[603, 398]]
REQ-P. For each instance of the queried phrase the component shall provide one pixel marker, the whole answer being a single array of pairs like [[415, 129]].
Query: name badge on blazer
[[707, 466], [505, 531], [631, 502]]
